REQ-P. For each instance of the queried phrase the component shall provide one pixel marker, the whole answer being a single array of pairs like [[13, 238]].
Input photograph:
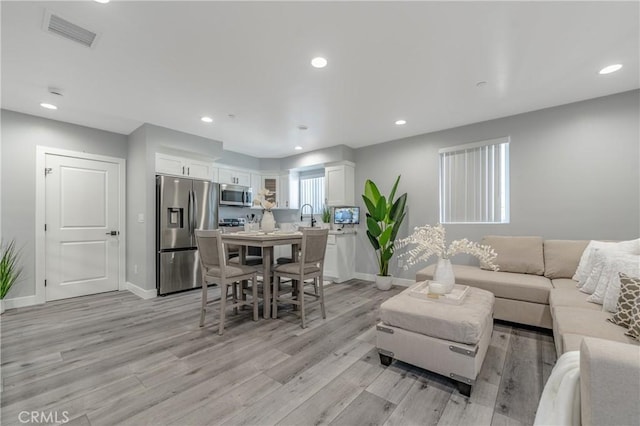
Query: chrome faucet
[[313, 221]]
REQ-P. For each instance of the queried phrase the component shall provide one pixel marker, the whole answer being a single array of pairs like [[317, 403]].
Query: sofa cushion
[[517, 254], [564, 283], [506, 285], [571, 342], [561, 257], [587, 323], [570, 297]]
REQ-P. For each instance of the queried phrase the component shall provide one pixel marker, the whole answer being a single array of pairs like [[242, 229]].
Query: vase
[[383, 282], [268, 223], [444, 274]]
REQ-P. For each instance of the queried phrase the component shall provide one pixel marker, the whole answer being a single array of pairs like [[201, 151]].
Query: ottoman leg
[[464, 388], [385, 360]]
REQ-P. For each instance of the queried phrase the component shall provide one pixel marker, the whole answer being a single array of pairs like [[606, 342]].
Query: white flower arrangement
[[430, 240], [262, 199]]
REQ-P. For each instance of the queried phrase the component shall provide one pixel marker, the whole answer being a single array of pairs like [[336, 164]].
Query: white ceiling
[[169, 63]]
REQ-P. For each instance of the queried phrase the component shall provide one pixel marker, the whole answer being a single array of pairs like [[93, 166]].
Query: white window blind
[[312, 190], [474, 182]]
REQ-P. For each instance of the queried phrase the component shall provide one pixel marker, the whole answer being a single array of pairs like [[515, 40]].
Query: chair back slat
[[211, 250], [314, 245]]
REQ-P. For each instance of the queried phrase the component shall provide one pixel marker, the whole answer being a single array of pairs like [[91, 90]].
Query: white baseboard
[[141, 292], [404, 282], [21, 302]]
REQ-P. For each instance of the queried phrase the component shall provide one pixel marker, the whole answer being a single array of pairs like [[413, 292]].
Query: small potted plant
[[384, 217], [326, 216], [9, 270]]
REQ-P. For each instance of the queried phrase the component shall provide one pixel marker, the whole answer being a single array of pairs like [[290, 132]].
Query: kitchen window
[[312, 189], [474, 182]]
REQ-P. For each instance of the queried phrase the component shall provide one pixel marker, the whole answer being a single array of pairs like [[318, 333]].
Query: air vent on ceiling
[[60, 26]]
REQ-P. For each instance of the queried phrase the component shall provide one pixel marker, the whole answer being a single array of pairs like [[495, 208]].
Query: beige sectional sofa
[[543, 294]]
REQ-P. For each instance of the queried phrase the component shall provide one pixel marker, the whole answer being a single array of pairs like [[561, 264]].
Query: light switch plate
[[140, 217]]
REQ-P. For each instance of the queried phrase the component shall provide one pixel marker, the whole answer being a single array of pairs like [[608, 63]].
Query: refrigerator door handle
[[195, 209], [189, 213]]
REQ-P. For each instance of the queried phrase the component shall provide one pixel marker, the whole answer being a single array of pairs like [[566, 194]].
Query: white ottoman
[[447, 339]]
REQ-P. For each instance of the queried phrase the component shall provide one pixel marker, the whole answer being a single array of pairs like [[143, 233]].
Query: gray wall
[[21, 134], [137, 182], [155, 139], [574, 174]]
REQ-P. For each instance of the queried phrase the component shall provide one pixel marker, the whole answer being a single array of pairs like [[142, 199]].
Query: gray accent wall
[[574, 174], [21, 133], [144, 143]]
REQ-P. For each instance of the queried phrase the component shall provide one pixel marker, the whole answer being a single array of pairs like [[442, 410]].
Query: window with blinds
[[312, 190], [474, 182]]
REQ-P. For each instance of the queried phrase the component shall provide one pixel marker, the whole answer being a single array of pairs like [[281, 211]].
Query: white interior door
[[82, 212]]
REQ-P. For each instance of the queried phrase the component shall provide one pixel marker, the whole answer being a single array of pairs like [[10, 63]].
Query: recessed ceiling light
[[610, 69], [102, 1], [401, 122], [302, 127], [48, 106], [481, 84], [207, 119], [319, 62], [298, 148]]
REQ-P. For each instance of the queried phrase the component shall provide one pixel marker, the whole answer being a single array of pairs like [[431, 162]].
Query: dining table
[[267, 241]]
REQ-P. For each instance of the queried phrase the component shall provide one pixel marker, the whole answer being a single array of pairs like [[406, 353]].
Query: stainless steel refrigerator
[[182, 206]]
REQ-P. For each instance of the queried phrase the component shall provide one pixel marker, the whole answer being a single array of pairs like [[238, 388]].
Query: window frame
[[505, 204]]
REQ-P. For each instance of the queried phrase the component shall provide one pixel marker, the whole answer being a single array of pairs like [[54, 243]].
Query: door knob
[[113, 233]]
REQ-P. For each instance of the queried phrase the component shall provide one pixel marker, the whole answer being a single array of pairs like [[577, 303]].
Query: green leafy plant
[[384, 217], [326, 214], [9, 269]]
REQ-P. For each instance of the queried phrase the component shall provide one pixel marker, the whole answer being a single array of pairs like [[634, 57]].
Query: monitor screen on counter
[[346, 215]]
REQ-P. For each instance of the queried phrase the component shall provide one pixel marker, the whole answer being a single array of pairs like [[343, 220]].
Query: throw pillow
[[586, 260], [629, 293], [598, 262], [634, 323], [614, 262], [627, 264], [517, 254], [561, 257]]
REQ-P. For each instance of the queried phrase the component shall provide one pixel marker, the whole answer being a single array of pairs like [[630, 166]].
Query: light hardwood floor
[[114, 359]]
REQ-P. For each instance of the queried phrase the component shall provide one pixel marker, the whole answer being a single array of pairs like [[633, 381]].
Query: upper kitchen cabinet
[[182, 166], [272, 184], [339, 184], [234, 177], [291, 194]]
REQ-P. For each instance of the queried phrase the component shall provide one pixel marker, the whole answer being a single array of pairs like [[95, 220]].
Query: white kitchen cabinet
[[181, 166], [340, 257], [339, 184], [283, 191], [294, 190], [234, 177], [256, 183], [272, 183]]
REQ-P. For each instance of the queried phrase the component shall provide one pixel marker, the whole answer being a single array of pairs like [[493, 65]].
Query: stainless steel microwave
[[235, 195]]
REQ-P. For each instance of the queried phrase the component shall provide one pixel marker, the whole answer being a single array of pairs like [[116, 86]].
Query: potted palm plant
[[384, 217], [9, 270]]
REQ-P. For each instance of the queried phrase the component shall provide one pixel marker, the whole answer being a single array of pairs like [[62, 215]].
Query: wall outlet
[[135, 269]]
